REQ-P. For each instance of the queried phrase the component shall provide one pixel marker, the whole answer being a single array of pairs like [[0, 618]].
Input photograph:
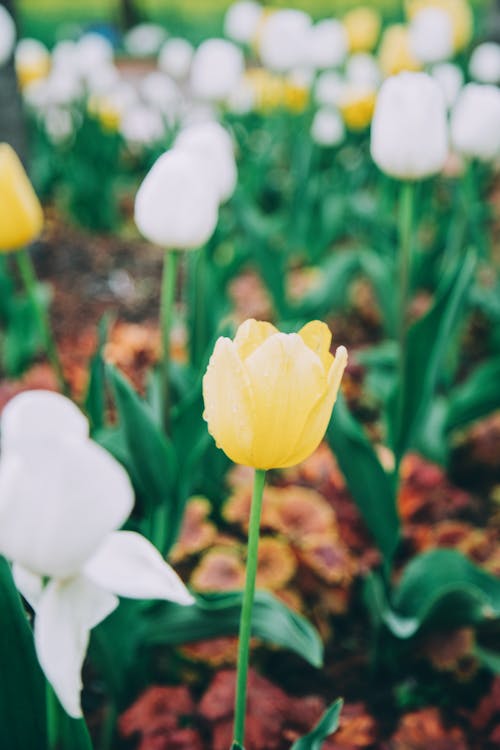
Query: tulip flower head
[[450, 79], [327, 127], [242, 20], [484, 65], [62, 499], [21, 215], [475, 122], [175, 58], [409, 138], [356, 105], [362, 26], [269, 395], [32, 60], [431, 35], [216, 69], [283, 40], [327, 44], [213, 145], [459, 12], [396, 54], [7, 36]]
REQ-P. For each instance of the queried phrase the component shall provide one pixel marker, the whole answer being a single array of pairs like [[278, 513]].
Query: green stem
[[246, 610], [166, 316], [406, 219], [30, 282], [52, 712]]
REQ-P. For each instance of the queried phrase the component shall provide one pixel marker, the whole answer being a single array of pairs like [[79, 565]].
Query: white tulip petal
[[216, 68], [7, 35], [58, 500], [213, 145], [39, 414], [130, 566], [66, 613], [29, 584]]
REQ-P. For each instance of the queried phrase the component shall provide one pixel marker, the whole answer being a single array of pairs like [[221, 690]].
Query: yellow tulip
[[362, 26], [459, 11], [269, 395], [357, 105], [395, 53], [21, 215]]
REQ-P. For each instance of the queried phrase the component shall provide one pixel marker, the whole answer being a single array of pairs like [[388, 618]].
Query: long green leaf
[[372, 489], [477, 397], [327, 725], [95, 398], [219, 614]]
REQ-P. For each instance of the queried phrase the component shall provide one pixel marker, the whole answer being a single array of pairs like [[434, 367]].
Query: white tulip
[[177, 204], [144, 40], [484, 65], [475, 122], [409, 136], [329, 88], [284, 40], [142, 126], [362, 69], [101, 80], [212, 145], [431, 35], [162, 92], [242, 20], [242, 100], [31, 53], [216, 69], [62, 497], [93, 51], [58, 124], [175, 58], [451, 79], [327, 45], [7, 36], [327, 128]]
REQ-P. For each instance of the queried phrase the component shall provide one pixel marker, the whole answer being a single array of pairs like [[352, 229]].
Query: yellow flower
[[357, 105], [269, 395], [362, 26], [105, 111], [21, 215], [460, 13], [395, 53]]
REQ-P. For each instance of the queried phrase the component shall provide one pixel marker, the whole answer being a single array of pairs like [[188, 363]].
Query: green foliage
[[327, 725]]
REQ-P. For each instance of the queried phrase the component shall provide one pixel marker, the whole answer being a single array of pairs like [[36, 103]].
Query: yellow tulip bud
[[395, 54], [21, 215], [362, 26], [459, 11], [269, 395], [357, 105]]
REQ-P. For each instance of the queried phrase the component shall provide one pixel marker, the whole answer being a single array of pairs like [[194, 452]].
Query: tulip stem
[[52, 712], [246, 610], [30, 282], [168, 287]]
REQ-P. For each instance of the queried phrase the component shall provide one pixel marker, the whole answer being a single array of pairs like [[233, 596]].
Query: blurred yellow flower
[[362, 26], [357, 105], [104, 111], [395, 53], [272, 91], [269, 395], [460, 13], [32, 61], [21, 215]]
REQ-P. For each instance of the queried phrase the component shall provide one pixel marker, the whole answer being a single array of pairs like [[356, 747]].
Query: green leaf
[[22, 695], [95, 398], [219, 614], [444, 588], [373, 490], [427, 342], [327, 725], [477, 397], [236, 746], [331, 294], [381, 274]]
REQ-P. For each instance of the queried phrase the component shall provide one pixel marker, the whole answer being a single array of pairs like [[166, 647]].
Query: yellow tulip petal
[[21, 215], [251, 334], [287, 380], [319, 417], [229, 402], [317, 336]]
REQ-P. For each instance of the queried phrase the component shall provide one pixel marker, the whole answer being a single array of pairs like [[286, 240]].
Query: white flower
[[241, 20], [175, 58], [7, 36], [212, 145], [475, 122], [162, 92], [31, 53], [101, 80], [177, 204], [329, 88], [451, 79], [327, 128], [62, 497], [327, 44], [284, 40], [484, 65], [216, 69], [144, 40], [93, 51], [58, 124], [142, 126], [409, 137], [242, 100], [431, 35], [362, 69]]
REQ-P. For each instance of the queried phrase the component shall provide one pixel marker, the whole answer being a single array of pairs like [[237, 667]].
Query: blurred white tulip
[[62, 497], [409, 136], [216, 69], [212, 145], [329, 88], [451, 79], [327, 44], [93, 52], [431, 35], [475, 122], [327, 128], [162, 92], [177, 204], [242, 20], [144, 40], [7, 36], [284, 40], [142, 125], [484, 64], [175, 58], [242, 99], [362, 69]]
